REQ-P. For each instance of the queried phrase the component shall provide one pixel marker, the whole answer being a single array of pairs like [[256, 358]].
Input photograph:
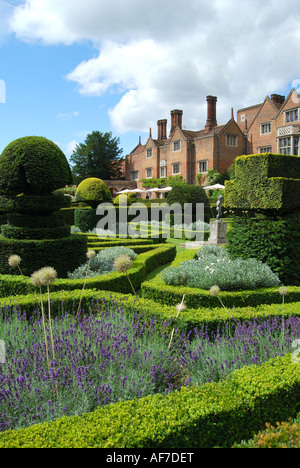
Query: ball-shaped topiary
[[93, 191], [125, 199], [33, 166]]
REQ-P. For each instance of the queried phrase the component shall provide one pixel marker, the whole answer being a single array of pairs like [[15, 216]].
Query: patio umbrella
[[124, 191], [137, 190], [215, 187], [165, 189]]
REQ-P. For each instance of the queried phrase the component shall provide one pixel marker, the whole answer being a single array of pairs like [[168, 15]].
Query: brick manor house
[[271, 126]]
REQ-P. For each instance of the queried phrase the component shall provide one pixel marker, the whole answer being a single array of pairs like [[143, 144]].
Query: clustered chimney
[[176, 119], [162, 129], [277, 99], [211, 121]]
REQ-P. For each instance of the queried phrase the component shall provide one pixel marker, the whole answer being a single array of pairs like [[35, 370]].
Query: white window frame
[[176, 164], [175, 143], [243, 117], [149, 153], [291, 115], [149, 169], [163, 172], [266, 128], [287, 146], [228, 140], [204, 161], [265, 149], [131, 175]]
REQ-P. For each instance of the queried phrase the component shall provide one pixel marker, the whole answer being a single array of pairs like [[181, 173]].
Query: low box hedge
[[143, 264], [207, 416], [214, 317], [158, 291]]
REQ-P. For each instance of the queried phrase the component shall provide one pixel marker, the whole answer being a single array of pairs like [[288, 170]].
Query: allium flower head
[[122, 263], [14, 261], [36, 279], [180, 307], [44, 276], [283, 291], [214, 291], [91, 254]]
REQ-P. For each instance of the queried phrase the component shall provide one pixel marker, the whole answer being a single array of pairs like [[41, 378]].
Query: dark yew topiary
[[31, 169], [33, 166], [269, 186], [92, 192], [193, 194]]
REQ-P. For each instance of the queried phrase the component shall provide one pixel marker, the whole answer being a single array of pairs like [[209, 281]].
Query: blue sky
[[71, 67]]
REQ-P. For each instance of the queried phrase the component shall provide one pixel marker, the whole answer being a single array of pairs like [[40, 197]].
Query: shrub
[[155, 256], [193, 194], [210, 415], [274, 241], [62, 254], [33, 166], [218, 269], [269, 183], [125, 199], [283, 435], [93, 191], [102, 263]]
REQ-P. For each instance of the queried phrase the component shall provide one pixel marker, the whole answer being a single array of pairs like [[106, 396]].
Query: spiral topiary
[[31, 169]]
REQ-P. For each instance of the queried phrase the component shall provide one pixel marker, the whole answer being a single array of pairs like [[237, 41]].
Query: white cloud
[[71, 147], [67, 116], [169, 54]]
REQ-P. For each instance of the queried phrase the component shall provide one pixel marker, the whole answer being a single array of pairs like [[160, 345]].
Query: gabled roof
[[275, 107]]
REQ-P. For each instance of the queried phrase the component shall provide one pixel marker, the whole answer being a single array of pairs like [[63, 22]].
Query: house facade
[[185, 152], [272, 126]]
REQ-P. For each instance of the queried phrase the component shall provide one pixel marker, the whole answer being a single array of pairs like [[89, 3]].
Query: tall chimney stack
[[211, 121], [176, 119], [162, 129]]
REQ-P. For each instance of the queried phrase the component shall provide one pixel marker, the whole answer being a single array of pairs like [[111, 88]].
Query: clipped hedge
[[158, 291], [274, 241], [214, 317], [206, 416], [63, 254], [143, 264], [266, 182]]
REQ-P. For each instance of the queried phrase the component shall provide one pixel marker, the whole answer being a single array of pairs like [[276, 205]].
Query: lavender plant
[[108, 356]]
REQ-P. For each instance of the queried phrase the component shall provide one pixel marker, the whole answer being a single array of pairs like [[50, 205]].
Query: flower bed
[[145, 262], [157, 290], [190, 416], [213, 414]]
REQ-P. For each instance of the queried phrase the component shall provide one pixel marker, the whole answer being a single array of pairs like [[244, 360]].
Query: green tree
[[99, 156]]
